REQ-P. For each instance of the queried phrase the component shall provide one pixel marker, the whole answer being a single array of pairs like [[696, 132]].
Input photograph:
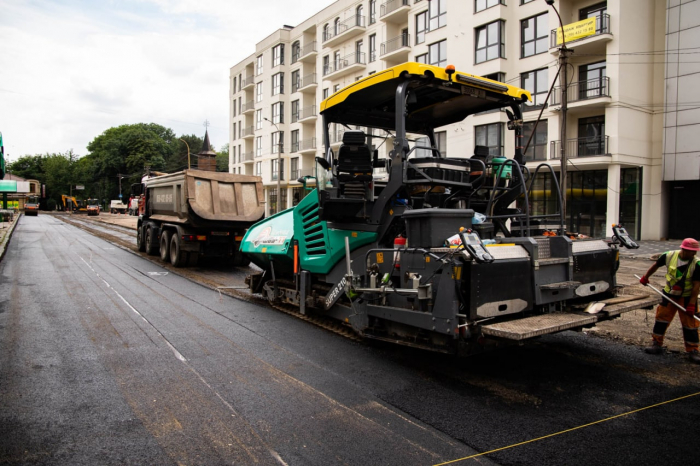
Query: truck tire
[[151, 242], [178, 257], [165, 246], [140, 243]]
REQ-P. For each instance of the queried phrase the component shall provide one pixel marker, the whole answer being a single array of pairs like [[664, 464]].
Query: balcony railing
[[304, 51], [581, 147], [298, 173], [301, 83], [249, 131], [336, 30], [391, 6], [602, 26], [305, 144], [583, 90], [344, 62], [248, 81], [307, 112], [398, 42], [248, 156], [336, 137], [250, 105]]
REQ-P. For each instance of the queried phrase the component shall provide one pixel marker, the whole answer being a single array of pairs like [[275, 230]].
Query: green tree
[[222, 159], [179, 159]]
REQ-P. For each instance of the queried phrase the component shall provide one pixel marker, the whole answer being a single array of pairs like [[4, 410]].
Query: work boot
[[694, 356], [655, 348]]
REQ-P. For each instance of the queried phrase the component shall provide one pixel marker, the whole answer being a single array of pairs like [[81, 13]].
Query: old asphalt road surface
[[109, 358]]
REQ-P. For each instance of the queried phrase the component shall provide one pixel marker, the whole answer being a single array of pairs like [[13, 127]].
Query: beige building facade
[[615, 92]]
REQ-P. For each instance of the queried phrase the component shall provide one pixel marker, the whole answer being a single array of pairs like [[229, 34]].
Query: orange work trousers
[[664, 315]]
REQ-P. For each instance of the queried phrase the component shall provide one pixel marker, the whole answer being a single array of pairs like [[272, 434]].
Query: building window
[[296, 81], [438, 14], [523, 2], [295, 144], [234, 107], [278, 83], [481, 5], [490, 136], [536, 83], [298, 194], [258, 146], [295, 111], [325, 32], [325, 93], [278, 112], [533, 35], [258, 168], [537, 150], [490, 42], [358, 51], [372, 11], [336, 27], [423, 58], [591, 136], [296, 51], [272, 199], [258, 119], [259, 92], [234, 131], [440, 145], [326, 65], [274, 169], [259, 65], [277, 140], [421, 27], [278, 55], [500, 77], [294, 165], [372, 48], [234, 84], [437, 53], [599, 11], [592, 82], [336, 88]]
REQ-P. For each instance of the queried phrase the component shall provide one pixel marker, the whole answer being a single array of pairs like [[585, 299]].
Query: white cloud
[[71, 69]]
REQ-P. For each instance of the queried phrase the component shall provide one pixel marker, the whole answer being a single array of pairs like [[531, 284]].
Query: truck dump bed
[[197, 198]]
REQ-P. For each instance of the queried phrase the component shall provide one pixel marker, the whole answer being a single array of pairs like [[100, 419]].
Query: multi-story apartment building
[[615, 90], [681, 169]]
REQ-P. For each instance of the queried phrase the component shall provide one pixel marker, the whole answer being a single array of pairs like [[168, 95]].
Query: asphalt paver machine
[[422, 249]]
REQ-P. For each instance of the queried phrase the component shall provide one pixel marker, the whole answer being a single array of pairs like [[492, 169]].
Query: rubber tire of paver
[[178, 257], [151, 242], [165, 245]]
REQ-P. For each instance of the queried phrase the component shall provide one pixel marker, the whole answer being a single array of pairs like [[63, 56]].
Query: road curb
[[8, 235]]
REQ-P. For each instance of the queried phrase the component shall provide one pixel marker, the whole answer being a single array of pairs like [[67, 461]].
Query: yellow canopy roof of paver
[[434, 100]]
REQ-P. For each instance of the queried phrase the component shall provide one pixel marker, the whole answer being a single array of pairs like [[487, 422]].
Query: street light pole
[[279, 165], [188, 153]]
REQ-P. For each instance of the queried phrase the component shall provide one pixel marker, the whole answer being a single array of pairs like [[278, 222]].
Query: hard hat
[[690, 244]]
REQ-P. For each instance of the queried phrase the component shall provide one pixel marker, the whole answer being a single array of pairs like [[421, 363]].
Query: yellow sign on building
[[577, 30]]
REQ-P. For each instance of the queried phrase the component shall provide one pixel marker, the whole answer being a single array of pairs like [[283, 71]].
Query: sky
[[71, 69]]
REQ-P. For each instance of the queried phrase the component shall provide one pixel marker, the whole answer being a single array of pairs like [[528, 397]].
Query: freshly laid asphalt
[[109, 358]]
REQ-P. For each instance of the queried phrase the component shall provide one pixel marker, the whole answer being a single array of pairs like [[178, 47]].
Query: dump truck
[[196, 214], [117, 207], [407, 260]]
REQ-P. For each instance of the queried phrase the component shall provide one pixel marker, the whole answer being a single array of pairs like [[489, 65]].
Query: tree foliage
[[123, 153]]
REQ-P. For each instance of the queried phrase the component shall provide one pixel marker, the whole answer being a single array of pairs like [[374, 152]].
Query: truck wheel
[[151, 244], [240, 259], [165, 246], [178, 257], [140, 243]]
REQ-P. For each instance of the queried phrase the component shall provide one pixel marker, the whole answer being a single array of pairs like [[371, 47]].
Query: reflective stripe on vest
[[672, 273]]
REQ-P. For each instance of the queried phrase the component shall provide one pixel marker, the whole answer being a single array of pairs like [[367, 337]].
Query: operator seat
[[354, 165]]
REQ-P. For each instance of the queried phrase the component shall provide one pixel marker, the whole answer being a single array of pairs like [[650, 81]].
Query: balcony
[[305, 115], [346, 65], [248, 133], [248, 156], [343, 31], [581, 147], [336, 137], [248, 82], [308, 84], [304, 146], [298, 173], [396, 49], [586, 44], [248, 107], [394, 11], [583, 94], [306, 54]]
